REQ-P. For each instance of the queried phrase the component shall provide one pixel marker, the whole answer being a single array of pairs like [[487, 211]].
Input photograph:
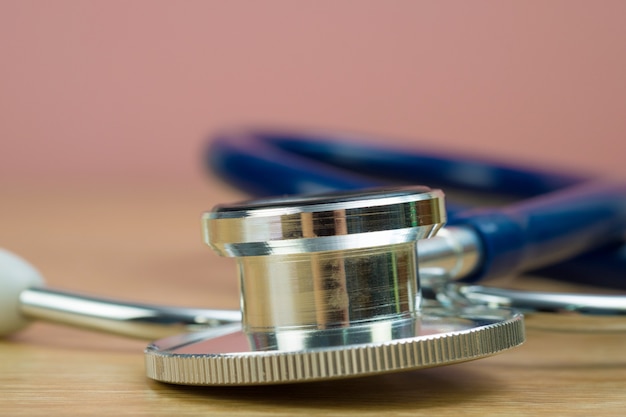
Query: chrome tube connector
[[451, 255]]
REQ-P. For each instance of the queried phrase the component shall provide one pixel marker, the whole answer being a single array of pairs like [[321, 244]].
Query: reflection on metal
[[330, 270], [553, 311], [441, 337]]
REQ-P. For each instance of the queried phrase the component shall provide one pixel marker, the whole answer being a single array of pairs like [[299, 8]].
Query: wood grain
[[143, 242]]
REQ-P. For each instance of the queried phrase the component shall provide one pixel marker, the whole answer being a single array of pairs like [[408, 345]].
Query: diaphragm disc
[[224, 356]]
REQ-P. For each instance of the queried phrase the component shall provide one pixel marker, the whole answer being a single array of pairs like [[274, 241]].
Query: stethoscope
[[350, 272]]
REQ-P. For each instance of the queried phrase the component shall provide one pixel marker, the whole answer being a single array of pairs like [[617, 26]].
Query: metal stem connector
[[319, 272]]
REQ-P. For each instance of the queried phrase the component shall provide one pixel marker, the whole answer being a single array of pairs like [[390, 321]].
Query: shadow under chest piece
[[330, 289]]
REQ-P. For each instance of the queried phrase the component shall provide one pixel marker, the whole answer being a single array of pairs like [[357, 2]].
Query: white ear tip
[[16, 275]]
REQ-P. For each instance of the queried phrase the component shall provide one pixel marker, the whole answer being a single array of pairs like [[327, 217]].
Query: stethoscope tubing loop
[[564, 218]]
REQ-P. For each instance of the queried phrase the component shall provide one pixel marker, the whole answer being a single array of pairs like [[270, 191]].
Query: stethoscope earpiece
[[16, 276]]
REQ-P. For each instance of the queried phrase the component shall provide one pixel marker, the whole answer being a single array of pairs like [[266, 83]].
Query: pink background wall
[[131, 89]]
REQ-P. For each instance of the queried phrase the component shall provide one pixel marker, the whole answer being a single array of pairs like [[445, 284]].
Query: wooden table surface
[[143, 242]]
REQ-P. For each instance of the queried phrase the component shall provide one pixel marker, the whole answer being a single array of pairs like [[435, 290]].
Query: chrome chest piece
[[329, 289]]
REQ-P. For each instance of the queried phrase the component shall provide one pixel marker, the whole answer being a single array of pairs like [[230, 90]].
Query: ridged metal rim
[[280, 367]]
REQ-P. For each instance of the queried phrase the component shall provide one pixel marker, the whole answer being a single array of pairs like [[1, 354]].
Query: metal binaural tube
[[142, 321]]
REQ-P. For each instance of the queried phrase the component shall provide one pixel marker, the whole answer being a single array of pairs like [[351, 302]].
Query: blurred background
[[106, 107], [132, 90]]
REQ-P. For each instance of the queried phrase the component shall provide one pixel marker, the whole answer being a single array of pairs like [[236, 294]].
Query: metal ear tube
[[329, 289]]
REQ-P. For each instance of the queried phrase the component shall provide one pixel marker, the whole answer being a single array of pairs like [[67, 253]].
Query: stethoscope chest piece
[[330, 289]]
